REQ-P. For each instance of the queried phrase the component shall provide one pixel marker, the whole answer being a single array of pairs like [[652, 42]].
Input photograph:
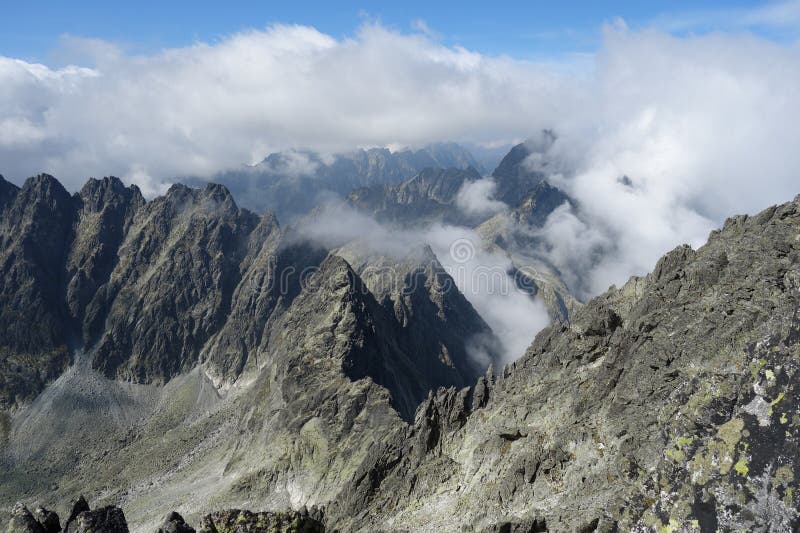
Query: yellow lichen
[[783, 475], [741, 466], [779, 398], [730, 432], [675, 454]]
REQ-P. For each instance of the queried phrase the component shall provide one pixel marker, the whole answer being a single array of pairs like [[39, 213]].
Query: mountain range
[[293, 182], [188, 358]]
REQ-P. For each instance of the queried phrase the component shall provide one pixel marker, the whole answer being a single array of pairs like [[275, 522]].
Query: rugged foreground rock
[[81, 520], [111, 519], [670, 403]]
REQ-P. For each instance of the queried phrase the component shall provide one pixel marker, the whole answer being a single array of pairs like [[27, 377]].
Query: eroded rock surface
[[242, 521], [670, 402]]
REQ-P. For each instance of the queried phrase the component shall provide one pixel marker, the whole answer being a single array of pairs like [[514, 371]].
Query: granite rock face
[[48, 519], [35, 229], [515, 178], [172, 285], [40, 521], [670, 402], [242, 521], [185, 332], [108, 519], [79, 506], [432, 197], [152, 288], [174, 523], [23, 521]]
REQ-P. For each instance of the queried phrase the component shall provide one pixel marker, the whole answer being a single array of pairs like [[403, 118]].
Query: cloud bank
[[207, 107], [702, 126]]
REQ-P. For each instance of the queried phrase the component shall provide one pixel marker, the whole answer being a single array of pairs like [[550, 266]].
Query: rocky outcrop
[[80, 506], [48, 519], [40, 521], [670, 402], [23, 521], [523, 168], [537, 204], [203, 334], [106, 213], [172, 285], [156, 288], [111, 519], [430, 316], [174, 523], [108, 519], [243, 521], [8, 191]]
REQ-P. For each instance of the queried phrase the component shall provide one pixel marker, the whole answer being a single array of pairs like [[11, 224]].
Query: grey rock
[[635, 414], [428, 195], [108, 519], [243, 521], [35, 231], [22, 521], [80, 506], [669, 402], [48, 519], [174, 523]]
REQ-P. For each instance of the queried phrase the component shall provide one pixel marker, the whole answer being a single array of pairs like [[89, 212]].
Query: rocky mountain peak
[[43, 197], [539, 203], [514, 176], [96, 194]]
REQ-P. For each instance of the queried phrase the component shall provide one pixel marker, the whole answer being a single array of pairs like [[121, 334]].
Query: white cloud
[[477, 198], [704, 126], [202, 108]]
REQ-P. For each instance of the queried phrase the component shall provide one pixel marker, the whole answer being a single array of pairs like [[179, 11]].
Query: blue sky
[[31, 30]]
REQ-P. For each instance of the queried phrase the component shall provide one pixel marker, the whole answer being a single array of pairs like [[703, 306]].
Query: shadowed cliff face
[[151, 289], [37, 226]]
